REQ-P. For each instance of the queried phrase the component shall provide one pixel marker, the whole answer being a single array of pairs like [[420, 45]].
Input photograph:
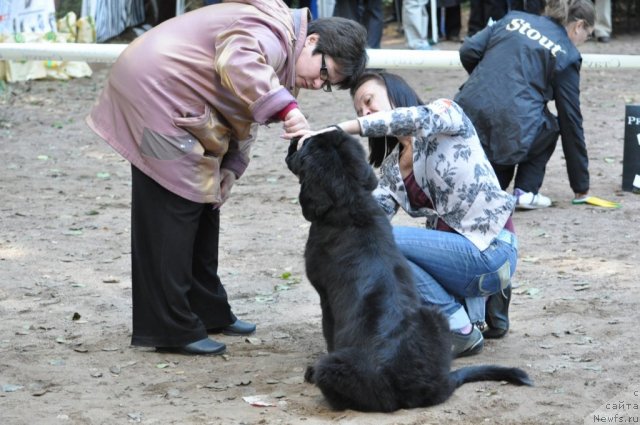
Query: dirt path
[[65, 282]]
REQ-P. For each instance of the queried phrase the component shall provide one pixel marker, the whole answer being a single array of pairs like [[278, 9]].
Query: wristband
[[283, 113]]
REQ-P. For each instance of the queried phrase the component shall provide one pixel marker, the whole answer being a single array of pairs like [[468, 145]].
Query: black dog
[[386, 349]]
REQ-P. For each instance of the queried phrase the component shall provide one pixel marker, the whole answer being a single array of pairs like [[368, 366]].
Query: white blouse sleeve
[[442, 116]]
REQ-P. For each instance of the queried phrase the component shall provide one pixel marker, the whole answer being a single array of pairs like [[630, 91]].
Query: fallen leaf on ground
[[259, 401]]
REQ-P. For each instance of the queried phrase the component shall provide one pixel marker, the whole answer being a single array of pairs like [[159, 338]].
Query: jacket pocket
[[209, 130], [181, 165]]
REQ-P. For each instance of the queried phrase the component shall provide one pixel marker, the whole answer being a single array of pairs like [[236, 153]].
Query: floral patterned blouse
[[450, 166]]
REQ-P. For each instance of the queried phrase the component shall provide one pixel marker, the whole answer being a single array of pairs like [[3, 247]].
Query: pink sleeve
[[247, 60]]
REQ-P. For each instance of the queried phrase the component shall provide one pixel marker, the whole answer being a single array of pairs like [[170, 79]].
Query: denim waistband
[[508, 237]]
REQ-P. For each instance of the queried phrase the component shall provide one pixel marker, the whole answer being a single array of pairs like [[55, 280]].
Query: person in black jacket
[[516, 67]]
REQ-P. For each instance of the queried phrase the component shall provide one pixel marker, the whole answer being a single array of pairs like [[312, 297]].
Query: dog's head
[[335, 179]]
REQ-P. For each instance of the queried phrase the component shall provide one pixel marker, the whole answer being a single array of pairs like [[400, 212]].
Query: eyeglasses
[[324, 75]]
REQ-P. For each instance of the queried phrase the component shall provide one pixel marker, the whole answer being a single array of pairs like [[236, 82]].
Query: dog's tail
[[512, 375]]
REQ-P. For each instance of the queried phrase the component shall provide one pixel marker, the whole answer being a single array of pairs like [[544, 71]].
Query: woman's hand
[[306, 134], [294, 124], [227, 179], [351, 127]]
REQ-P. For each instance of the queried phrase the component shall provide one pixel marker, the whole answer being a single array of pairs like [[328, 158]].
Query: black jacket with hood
[[516, 66]]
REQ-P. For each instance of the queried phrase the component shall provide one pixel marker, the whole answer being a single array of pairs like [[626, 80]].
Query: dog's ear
[[369, 180], [314, 200], [367, 177], [353, 153], [293, 158]]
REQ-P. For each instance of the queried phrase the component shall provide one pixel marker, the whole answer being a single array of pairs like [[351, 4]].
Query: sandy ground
[[65, 280]]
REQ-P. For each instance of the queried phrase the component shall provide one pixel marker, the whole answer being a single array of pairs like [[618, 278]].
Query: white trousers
[[415, 22], [603, 18]]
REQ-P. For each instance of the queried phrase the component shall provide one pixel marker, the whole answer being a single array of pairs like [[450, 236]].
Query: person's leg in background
[[452, 22], [530, 173], [415, 22], [535, 7], [301, 3], [603, 21], [368, 13], [497, 9], [347, 9], [482, 11], [477, 17], [373, 21], [505, 174]]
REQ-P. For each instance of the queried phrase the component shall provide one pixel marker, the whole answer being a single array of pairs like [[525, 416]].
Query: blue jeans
[[448, 269]]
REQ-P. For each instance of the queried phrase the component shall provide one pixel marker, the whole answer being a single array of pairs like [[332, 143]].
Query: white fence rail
[[378, 58]]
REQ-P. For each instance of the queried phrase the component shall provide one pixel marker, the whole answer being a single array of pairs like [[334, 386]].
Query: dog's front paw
[[308, 375]]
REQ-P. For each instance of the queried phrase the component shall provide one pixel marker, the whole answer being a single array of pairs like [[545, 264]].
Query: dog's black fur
[[387, 350]]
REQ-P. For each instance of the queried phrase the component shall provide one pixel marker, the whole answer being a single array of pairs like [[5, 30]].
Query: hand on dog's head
[[296, 151]]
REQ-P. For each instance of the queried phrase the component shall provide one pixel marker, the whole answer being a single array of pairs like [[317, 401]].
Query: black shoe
[[237, 328], [497, 314], [604, 39], [204, 346]]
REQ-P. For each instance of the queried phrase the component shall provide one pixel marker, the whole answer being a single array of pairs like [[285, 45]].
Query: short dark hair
[[400, 95], [345, 41]]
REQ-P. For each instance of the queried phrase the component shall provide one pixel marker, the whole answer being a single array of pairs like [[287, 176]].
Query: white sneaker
[[530, 201]]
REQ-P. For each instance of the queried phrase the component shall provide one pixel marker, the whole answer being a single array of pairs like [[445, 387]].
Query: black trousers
[[177, 294], [535, 7], [367, 12], [529, 174], [452, 21], [480, 12]]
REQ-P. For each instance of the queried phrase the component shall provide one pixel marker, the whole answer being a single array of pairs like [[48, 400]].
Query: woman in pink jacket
[[182, 104]]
